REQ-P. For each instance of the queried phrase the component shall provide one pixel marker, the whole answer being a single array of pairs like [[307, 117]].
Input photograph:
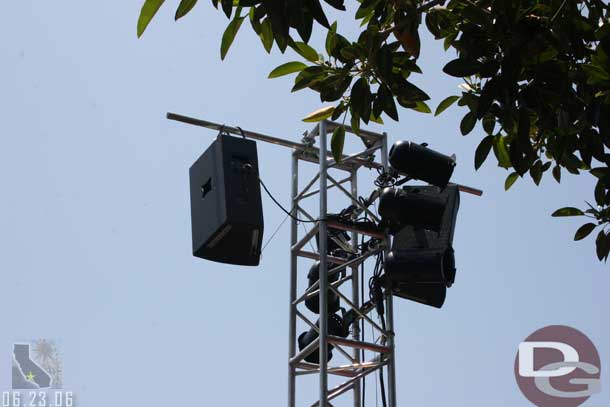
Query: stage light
[[423, 210], [336, 327], [419, 162], [313, 303], [337, 242], [421, 264], [433, 295]]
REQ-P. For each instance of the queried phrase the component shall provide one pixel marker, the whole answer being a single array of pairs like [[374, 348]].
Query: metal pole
[[356, 293], [389, 306], [323, 272], [292, 325]]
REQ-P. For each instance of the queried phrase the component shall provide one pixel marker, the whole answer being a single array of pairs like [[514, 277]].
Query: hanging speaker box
[[226, 210]]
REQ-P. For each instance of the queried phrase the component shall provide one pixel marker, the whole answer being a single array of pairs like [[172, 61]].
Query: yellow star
[[30, 376]]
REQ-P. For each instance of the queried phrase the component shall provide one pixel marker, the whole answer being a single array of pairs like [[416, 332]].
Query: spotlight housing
[[413, 206], [421, 264], [419, 162], [313, 302], [336, 327]]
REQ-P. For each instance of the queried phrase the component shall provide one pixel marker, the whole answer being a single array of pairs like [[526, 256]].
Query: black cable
[[249, 166], [282, 208], [382, 384], [362, 358]]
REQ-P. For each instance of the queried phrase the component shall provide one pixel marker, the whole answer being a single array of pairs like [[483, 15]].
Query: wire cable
[[274, 233], [281, 207]]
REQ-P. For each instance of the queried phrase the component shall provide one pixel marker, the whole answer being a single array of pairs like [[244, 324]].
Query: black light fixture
[[417, 208], [421, 264], [313, 302], [336, 327], [419, 162], [337, 241], [433, 295]]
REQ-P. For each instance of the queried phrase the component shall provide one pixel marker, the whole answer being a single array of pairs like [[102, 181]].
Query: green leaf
[[599, 172], [596, 73], [230, 33], [468, 123], [339, 110], [355, 123], [286, 69], [360, 99], [306, 51], [567, 211], [461, 68], [601, 245], [422, 107], [445, 104], [536, 172], [557, 173], [501, 152], [308, 77], [584, 231], [510, 180], [149, 9], [489, 123], [375, 119], [266, 35], [184, 8], [319, 115], [330, 38], [336, 143], [387, 99], [483, 151]]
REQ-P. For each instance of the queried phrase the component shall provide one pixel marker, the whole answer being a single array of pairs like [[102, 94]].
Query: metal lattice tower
[[354, 370]]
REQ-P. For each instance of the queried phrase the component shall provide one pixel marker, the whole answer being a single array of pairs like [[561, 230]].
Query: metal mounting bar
[[336, 340], [367, 232], [259, 136], [234, 130], [316, 256], [468, 190], [351, 370], [342, 388], [335, 183], [310, 368], [371, 135], [366, 153], [298, 146]]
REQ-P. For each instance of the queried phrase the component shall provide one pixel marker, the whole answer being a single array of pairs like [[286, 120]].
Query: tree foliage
[[536, 72]]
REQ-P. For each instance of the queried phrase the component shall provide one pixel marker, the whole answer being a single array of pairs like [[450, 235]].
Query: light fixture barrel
[[398, 207], [421, 163]]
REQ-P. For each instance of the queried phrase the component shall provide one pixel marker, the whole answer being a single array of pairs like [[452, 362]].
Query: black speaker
[[226, 210]]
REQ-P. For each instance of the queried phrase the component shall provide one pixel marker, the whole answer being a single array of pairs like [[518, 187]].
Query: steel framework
[[355, 369]]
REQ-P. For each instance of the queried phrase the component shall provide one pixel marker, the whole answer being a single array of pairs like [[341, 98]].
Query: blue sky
[[95, 229]]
